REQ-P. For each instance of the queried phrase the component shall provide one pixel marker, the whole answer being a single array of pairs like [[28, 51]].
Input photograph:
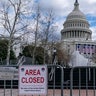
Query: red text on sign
[[32, 72], [32, 80]]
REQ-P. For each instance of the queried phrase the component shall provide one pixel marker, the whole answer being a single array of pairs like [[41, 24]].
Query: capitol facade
[[76, 34]]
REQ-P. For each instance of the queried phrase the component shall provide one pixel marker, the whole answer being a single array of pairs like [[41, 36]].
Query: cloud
[[64, 7], [91, 1], [93, 33]]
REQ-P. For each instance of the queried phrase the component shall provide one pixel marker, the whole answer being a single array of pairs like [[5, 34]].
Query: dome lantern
[[76, 5]]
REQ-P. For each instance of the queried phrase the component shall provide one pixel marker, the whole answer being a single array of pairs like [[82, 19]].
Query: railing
[[86, 80], [81, 79], [9, 84]]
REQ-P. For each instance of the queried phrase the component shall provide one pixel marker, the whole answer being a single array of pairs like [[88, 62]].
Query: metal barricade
[[9, 83], [52, 73], [83, 81], [79, 81], [8, 80]]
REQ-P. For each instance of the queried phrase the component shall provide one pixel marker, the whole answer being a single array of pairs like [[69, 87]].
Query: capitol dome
[[76, 13], [76, 27]]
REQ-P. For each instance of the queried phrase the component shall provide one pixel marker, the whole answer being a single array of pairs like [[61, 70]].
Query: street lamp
[[54, 56]]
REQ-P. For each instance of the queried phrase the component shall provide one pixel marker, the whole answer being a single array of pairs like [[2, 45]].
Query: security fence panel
[[83, 81], [9, 80], [77, 81], [55, 79]]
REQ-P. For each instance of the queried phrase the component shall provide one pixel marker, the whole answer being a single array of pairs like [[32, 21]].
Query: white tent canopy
[[78, 59]]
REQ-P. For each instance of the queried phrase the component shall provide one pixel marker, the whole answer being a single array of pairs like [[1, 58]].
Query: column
[[73, 33], [78, 33], [65, 34], [70, 34]]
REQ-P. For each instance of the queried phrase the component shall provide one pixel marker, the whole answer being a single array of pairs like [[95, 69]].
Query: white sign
[[6, 73], [33, 80]]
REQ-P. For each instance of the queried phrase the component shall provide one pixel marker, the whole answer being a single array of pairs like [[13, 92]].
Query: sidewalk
[[50, 92]]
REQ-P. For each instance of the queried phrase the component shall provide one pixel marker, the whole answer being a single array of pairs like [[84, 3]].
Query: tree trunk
[[36, 33], [8, 53]]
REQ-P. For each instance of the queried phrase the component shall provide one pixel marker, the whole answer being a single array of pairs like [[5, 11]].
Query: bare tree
[[12, 13], [48, 34], [36, 32], [62, 55], [43, 29]]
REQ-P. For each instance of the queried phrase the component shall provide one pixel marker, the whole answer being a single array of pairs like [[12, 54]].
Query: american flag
[[93, 48], [88, 48], [81, 48], [78, 47], [84, 48]]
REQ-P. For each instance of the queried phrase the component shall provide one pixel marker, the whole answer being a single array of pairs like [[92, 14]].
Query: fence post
[[94, 70], [62, 80], [71, 81], [4, 87], [62, 76]]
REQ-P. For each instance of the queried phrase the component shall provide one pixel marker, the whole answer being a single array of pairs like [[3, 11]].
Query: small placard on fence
[[33, 80], [6, 73]]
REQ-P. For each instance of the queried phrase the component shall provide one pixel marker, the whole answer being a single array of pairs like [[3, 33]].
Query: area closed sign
[[33, 80]]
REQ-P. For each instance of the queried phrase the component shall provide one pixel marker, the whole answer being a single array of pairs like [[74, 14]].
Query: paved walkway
[[14, 92]]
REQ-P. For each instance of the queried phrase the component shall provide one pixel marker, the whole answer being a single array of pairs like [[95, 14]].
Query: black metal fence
[[77, 78]]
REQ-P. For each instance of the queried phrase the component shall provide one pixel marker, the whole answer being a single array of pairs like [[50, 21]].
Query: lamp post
[[54, 62], [54, 56]]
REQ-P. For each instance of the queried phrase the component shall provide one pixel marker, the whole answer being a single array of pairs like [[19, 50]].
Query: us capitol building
[[76, 34]]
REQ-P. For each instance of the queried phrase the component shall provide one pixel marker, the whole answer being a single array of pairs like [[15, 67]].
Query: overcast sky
[[64, 7]]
